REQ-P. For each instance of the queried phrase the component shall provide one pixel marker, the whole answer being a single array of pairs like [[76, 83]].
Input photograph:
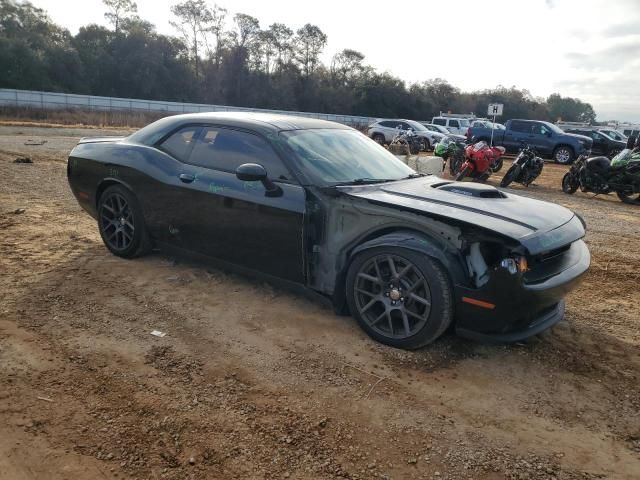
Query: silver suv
[[383, 132]]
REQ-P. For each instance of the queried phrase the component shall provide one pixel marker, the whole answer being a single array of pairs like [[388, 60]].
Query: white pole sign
[[495, 109]]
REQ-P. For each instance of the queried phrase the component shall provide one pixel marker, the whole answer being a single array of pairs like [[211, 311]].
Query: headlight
[[515, 265]]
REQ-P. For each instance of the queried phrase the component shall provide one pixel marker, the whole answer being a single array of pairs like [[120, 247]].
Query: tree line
[[230, 59]]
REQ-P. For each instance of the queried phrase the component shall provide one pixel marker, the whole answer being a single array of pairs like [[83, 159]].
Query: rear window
[[454, 123], [439, 121]]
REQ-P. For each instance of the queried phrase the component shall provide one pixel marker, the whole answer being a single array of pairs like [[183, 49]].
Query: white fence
[[28, 98]]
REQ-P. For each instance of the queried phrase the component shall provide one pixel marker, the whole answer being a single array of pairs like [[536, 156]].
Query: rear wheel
[[510, 176], [121, 223], [399, 297], [569, 183], [425, 145], [378, 138], [563, 155], [629, 197], [497, 165]]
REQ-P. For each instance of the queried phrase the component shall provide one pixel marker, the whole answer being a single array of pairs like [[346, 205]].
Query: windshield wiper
[[364, 181], [413, 175]]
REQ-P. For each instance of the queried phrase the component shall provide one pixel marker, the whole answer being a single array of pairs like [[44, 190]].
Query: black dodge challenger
[[319, 204]]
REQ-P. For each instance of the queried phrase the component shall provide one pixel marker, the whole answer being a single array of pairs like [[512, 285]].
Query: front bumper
[[523, 305]]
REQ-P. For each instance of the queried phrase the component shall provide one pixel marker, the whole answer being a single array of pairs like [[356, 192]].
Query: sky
[[588, 49]]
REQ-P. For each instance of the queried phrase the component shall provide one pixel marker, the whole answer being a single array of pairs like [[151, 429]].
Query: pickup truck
[[547, 138]]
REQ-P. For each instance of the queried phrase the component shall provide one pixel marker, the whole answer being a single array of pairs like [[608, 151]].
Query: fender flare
[[450, 259]]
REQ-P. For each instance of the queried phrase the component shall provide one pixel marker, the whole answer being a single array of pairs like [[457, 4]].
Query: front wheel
[[569, 183], [510, 176], [425, 145], [463, 173], [563, 155], [399, 297], [121, 223], [379, 138], [497, 165]]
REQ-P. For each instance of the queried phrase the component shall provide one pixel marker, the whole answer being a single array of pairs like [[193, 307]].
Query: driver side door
[[217, 215]]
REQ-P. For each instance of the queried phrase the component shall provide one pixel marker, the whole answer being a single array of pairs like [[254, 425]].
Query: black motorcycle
[[408, 139], [598, 176], [525, 168]]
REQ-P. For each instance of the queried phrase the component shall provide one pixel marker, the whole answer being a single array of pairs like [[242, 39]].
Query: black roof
[[265, 123]]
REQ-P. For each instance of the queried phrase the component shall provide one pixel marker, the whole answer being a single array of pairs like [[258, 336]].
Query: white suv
[[383, 132], [458, 126]]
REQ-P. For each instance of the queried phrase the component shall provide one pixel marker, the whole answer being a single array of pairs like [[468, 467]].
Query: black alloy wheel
[[121, 224], [378, 138], [399, 297]]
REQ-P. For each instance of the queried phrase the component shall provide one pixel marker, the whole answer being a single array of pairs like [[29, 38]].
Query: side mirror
[[251, 172]]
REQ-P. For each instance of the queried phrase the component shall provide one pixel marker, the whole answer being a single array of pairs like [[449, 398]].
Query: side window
[[224, 149], [440, 121], [539, 129], [179, 144], [385, 124], [519, 126], [454, 123], [405, 126]]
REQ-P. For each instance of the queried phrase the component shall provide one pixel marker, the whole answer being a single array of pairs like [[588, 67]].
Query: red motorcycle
[[481, 161]]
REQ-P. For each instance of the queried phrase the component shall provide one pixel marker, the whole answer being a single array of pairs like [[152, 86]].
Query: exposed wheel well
[[339, 294]]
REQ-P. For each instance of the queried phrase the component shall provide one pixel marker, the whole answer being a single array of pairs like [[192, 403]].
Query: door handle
[[186, 177]]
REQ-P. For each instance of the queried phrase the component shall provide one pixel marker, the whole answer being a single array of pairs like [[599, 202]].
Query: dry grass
[[76, 117]]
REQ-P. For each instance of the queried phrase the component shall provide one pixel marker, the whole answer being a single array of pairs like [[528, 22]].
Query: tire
[[563, 155], [628, 198], [454, 164], [463, 173], [497, 166], [375, 304], [569, 183], [121, 223], [510, 176], [425, 145], [379, 138]]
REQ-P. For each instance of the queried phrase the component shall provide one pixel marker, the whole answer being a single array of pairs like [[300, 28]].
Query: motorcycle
[[452, 151], [407, 138], [602, 176], [481, 161], [526, 167]]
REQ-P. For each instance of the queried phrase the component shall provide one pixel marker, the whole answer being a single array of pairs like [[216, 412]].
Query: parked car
[[616, 135], [436, 128], [454, 125], [545, 137], [317, 204], [602, 143], [384, 131]]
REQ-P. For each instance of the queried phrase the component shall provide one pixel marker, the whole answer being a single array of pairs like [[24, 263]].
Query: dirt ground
[[255, 382]]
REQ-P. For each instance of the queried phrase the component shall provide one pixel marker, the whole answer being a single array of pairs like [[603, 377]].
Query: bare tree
[[310, 41], [119, 10], [194, 20], [247, 29], [347, 66], [216, 29], [281, 36]]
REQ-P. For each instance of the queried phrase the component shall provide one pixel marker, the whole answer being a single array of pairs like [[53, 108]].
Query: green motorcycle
[[452, 151]]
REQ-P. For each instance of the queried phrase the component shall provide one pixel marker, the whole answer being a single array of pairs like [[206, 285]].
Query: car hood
[[539, 226]]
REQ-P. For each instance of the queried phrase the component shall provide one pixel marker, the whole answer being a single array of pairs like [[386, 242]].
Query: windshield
[[331, 156], [417, 126], [615, 135], [437, 128], [552, 127]]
